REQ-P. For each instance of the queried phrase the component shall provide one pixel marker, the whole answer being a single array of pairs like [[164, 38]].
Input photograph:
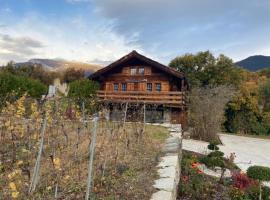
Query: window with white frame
[[149, 87], [133, 71]]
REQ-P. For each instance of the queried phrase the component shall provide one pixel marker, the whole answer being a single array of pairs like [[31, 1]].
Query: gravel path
[[249, 151]]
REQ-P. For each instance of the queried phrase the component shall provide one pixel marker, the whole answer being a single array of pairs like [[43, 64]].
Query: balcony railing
[[175, 99]]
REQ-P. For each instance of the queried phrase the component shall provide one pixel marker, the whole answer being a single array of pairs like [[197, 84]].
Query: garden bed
[[196, 185]]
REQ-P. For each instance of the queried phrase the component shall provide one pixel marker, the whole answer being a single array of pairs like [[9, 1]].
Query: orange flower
[[199, 171], [194, 165]]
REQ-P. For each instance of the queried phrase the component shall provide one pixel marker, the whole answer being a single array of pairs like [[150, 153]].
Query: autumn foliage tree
[[204, 69]]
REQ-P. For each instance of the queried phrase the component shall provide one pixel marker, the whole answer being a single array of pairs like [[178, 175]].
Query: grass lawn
[[195, 185]]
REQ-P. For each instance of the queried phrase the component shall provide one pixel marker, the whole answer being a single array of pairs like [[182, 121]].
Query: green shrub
[[83, 89], [213, 145], [259, 173], [216, 154], [259, 129], [266, 193], [212, 162]]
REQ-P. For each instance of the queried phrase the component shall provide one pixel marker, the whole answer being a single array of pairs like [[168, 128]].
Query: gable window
[[141, 70], [149, 86], [115, 86], [124, 87], [158, 87], [133, 71]]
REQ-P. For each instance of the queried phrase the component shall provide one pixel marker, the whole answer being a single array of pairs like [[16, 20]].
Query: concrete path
[[249, 151]]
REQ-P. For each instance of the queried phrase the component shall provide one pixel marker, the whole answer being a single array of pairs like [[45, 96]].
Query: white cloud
[[18, 47], [75, 38]]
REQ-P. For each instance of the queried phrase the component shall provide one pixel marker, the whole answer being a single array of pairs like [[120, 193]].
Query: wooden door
[[136, 86], [175, 116]]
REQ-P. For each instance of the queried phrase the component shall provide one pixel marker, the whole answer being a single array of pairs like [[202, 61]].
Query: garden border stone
[[169, 165]]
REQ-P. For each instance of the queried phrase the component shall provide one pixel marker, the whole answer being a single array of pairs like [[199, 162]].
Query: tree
[[84, 91], [207, 111], [244, 112], [13, 86], [30, 70], [72, 74], [260, 174], [265, 95], [203, 69]]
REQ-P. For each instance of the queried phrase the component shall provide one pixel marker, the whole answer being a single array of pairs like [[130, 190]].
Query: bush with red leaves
[[242, 181]]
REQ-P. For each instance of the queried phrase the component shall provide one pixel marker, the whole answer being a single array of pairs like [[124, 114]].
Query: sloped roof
[[135, 54]]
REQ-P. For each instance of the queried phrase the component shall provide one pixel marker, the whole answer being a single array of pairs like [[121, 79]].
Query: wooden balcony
[[172, 99]]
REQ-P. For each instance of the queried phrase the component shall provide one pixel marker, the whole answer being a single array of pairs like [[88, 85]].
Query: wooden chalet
[[138, 83]]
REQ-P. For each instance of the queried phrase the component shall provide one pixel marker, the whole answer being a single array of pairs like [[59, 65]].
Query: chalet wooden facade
[[138, 82]]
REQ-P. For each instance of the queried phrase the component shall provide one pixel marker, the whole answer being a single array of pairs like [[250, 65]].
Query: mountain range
[[255, 63], [60, 64], [252, 63]]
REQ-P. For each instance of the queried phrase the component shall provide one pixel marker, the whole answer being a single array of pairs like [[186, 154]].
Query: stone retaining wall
[[169, 167]]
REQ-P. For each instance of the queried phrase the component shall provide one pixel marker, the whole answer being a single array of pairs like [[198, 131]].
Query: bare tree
[[207, 111]]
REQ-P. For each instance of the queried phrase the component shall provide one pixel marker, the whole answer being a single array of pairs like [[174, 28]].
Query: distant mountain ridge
[[60, 64], [255, 63]]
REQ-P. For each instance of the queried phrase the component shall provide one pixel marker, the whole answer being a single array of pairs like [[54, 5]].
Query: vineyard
[[54, 149]]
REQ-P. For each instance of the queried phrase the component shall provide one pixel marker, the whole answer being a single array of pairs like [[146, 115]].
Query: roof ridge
[[143, 58]]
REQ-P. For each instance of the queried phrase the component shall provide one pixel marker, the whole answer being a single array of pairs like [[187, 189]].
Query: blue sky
[[104, 30]]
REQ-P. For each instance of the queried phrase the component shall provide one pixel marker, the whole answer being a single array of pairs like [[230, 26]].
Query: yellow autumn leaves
[[57, 163], [14, 192], [14, 173]]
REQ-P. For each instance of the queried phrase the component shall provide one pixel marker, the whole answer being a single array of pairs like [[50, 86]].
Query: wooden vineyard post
[[144, 120], [91, 159], [125, 114], [35, 176]]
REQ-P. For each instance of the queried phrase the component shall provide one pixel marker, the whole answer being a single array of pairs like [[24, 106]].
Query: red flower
[[185, 178], [199, 171]]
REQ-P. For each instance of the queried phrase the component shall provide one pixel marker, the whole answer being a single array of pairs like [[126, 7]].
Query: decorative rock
[[168, 161], [166, 184], [173, 140], [169, 168], [167, 172], [213, 173], [162, 195]]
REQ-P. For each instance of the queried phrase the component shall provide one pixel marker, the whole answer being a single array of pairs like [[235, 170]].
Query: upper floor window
[[149, 86], [124, 87], [136, 70], [158, 87], [133, 71], [141, 70], [115, 86]]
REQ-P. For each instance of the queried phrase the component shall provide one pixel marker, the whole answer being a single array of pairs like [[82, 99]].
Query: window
[[158, 87], [115, 86], [149, 86], [141, 70], [133, 71], [124, 87]]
